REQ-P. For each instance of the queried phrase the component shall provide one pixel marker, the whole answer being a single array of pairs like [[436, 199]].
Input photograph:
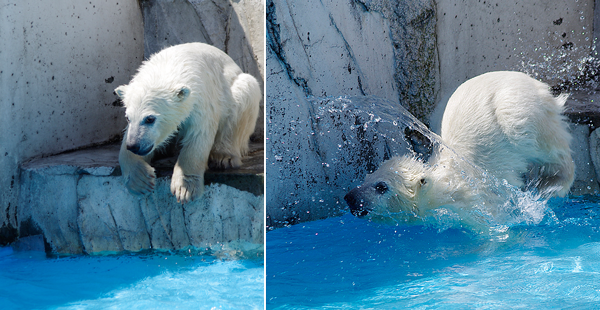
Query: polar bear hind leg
[[556, 170], [231, 142]]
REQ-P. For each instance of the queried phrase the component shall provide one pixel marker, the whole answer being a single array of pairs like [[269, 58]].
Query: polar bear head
[[398, 190], [153, 114]]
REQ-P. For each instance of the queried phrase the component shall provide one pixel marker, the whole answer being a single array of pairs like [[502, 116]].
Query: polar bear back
[[199, 66], [505, 122]]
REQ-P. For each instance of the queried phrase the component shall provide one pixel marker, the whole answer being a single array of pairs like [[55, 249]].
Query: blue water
[[30, 280], [351, 263]]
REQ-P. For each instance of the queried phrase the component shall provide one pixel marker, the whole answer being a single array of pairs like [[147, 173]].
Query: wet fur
[[506, 123]]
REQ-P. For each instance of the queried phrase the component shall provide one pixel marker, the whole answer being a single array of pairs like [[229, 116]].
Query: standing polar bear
[[506, 123], [194, 91]]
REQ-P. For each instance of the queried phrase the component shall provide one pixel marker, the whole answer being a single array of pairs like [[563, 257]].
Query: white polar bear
[[506, 123], [196, 91]]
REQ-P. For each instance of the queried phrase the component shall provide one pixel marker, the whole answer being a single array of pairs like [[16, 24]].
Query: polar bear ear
[[120, 91], [182, 93]]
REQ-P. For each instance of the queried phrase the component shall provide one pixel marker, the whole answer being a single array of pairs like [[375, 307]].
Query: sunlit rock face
[[78, 203], [382, 48]]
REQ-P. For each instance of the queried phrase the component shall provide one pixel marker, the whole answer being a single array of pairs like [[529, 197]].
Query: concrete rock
[[105, 203], [52, 209], [381, 48], [594, 144], [60, 64], [80, 212], [586, 181]]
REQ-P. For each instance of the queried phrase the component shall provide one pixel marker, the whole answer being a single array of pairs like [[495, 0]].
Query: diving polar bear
[[506, 123]]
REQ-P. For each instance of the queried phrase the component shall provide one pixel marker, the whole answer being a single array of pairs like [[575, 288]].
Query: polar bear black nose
[[356, 204], [138, 150], [133, 148]]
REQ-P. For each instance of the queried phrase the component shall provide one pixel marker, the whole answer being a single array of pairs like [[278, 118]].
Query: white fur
[[508, 123], [198, 92], [503, 122]]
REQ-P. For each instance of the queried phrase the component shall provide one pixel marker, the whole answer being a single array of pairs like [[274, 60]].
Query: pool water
[[351, 263], [31, 280]]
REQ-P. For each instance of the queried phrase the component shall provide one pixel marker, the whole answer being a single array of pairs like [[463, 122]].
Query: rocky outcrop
[[60, 64], [382, 48], [77, 201]]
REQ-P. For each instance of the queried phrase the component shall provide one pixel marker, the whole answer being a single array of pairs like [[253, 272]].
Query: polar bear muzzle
[[358, 199], [141, 150]]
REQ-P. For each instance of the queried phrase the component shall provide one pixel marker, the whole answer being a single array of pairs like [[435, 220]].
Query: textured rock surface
[[78, 202], [595, 151], [586, 181], [60, 62], [331, 48]]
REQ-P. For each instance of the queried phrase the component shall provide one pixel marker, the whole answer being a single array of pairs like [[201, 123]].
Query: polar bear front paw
[[140, 178], [187, 188]]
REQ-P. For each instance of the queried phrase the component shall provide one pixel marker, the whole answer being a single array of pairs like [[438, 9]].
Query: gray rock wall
[[60, 61], [333, 48]]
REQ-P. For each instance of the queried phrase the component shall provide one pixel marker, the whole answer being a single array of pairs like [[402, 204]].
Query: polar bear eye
[[149, 119], [381, 187]]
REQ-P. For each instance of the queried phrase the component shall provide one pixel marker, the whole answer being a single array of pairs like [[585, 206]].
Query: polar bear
[[505, 123], [196, 92]]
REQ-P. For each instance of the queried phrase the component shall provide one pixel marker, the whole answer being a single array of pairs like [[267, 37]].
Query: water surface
[[350, 263], [31, 280]]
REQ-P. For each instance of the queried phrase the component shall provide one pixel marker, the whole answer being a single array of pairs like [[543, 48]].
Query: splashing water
[[497, 204]]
